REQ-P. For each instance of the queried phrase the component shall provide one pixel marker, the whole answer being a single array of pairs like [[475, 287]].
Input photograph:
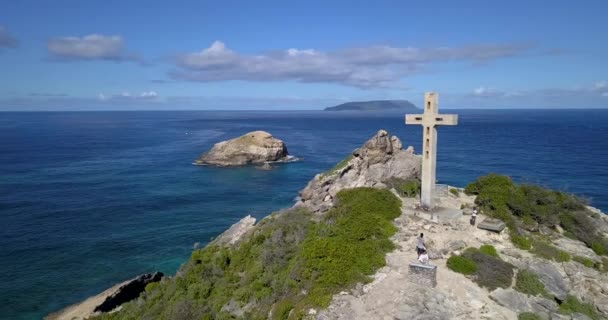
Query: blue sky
[[285, 55]]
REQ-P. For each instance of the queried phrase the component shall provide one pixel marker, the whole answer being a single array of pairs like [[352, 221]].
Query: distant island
[[376, 105]]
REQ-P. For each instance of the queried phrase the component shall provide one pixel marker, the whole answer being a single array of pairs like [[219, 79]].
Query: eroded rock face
[[251, 148], [378, 160]]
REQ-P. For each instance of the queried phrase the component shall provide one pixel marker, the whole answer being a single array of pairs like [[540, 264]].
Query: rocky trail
[[392, 296]]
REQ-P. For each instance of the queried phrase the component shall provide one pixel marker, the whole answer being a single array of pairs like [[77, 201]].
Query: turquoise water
[[88, 199]]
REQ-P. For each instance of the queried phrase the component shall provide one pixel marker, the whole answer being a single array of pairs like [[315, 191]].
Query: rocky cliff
[[251, 148], [380, 159]]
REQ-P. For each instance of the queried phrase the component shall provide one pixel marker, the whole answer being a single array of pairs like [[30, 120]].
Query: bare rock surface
[[236, 231], [378, 160], [251, 148]]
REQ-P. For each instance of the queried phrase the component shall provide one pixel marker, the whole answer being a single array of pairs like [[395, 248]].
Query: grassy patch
[[462, 265], [287, 265], [406, 188], [527, 282], [573, 305], [521, 242], [548, 251], [489, 250], [528, 316], [340, 165], [455, 191], [584, 261]]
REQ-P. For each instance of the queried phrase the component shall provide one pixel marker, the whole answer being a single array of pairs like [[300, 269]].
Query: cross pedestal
[[429, 121]]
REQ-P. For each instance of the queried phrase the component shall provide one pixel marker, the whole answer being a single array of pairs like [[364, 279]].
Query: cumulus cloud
[[90, 47], [6, 39], [365, 67]]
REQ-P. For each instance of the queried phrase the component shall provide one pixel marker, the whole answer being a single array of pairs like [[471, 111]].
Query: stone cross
[[429, 121]]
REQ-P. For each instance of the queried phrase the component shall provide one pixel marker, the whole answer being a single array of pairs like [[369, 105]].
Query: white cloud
[[149, 96], [90, 47], [490, 92], [6, 39], [600, 86], [365, 67]]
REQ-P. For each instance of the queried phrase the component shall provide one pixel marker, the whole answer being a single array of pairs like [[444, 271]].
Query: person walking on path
[[420, 247]]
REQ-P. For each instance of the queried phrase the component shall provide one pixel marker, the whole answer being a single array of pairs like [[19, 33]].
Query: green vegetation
[[527, 282], [527, 204], [521, 242], [339, 166], [528, 316], [489, 250], [462, 265], [547, 251], [492, 272], [487, 269], [584, 261], [573, 305], [287, 265], [455, 191], [406, 188]]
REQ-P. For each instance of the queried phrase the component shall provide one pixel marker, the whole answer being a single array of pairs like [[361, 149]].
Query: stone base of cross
[[429, 120]]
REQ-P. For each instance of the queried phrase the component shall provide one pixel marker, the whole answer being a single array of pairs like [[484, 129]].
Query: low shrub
[[583, 227], [285, 255], [528, 316], [409, 188], [573, 305], [521, 242], [549, 252], [281, 310], [527, 282], [492, 272], [584, 261], [489, 250], [455, 191], [462, 265], [599, 247]]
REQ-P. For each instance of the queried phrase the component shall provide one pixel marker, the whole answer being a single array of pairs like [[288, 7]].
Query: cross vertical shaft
[[429, 120]]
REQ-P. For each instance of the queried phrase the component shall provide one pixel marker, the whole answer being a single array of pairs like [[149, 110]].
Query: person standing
[[420, 247], [474, 216]]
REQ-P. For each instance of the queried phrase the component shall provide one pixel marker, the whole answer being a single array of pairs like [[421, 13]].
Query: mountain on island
[[376, 105]]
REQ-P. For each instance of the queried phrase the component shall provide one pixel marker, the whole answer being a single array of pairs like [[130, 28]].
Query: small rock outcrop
[[251, 148], [236, 231], [380, 159], [107, 300], [128, 292]]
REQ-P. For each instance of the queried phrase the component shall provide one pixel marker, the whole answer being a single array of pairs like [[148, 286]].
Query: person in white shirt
[[424, 257], [473, 216]]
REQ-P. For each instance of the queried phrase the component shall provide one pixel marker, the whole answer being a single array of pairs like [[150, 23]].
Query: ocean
[[89, 199]]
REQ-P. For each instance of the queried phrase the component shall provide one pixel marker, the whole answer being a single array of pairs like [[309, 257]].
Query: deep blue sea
[[88, 199]]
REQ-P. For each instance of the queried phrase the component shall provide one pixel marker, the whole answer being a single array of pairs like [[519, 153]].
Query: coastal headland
[[343, 251]]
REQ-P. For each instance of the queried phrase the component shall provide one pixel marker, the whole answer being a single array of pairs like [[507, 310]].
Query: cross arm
[[413, 119], [447, 119]]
